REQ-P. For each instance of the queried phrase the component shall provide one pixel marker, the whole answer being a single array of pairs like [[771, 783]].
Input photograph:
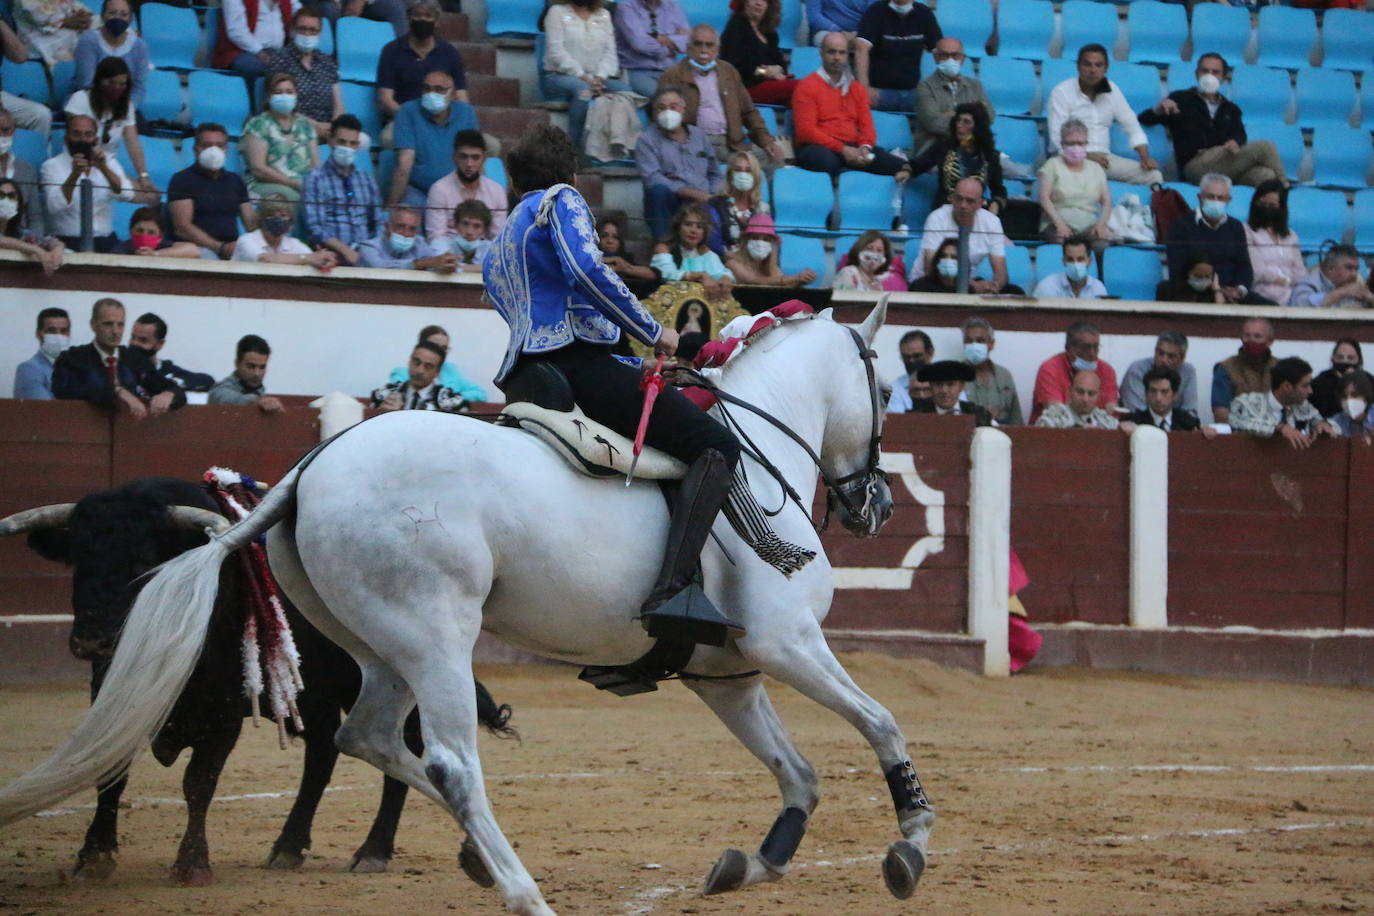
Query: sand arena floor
[[1059, 792]]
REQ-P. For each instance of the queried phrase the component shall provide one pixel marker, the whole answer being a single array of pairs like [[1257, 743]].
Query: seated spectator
[[1283, 410], [1209, 231], [1076, 281], [1197, 283], [206, 200], [35, 116], [986, 239], [580, 61], [399, 245], [993, 388], [1208, 133], [419, 391], [147, 239], [716, 100], [1056, 379], [918, 396], [392, 12], [470, 245], [1171, 352], [1074, 197], [47, 252], [116, 37], [109, 101], [278, 144], [649, 35], [677, 164], [743, 196], [425, 134], [611, 238], [109, 375], [343, 205], [947, 379], [1334, 283], [33, 377], [1084, 406], [467, 181], [750, 44], [150, 335], [449, 376], [248, 32], [941, 271], [842, 16], [1096, 101], [832, 122], [1275, 257], [316, 75], [25, 175], [1248, 372], [1347, 361], [245, 384], [756, 261], [938, 95], [1354, 418], [968, 153], [887, 51], [80, 158], [51, 27], [870, 265], [915, 350], [407, 62], [271, 242], [685, 256], [1161, 399]]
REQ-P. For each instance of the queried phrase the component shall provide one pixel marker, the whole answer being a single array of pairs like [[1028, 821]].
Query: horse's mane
[[768, 332]]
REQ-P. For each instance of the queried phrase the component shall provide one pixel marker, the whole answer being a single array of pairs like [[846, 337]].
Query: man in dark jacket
[[109, 375], [947, 379], [1161, 393], [1209, 231], [150, 335]]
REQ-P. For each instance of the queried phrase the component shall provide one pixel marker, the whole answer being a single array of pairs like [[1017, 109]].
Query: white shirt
[[65, 218], [575, 46], [1069, 101], [1056, 286], [1163, 421], [80, 104], [251, 245], [269, 32], [985, 238]]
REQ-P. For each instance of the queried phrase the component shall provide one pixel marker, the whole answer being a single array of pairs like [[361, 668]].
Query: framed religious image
[[685, 308]]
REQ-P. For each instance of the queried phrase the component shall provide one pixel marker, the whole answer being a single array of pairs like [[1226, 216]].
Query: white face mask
[[758, 249], [211, 158], [5, 144], [1208, 83], [1200, 283], [1354, 407], [668, 119], [54, 344], [742, 181], [871, 260], [8, 209]]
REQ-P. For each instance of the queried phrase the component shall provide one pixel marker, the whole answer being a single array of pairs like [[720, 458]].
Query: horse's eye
[[885, 393]]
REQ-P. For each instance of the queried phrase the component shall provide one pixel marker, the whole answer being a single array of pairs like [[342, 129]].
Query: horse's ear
[[869, 329], [826, 315]]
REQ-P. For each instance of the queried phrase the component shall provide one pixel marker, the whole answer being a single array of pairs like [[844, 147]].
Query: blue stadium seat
[[1019, 139], [1325, 96], [1009, 84], [1049, 259], [1053, 72], [326, 45], [173, 34], [970, 21], [219, 97], [1160, 146], [1024, 28], [29, 146], [495, 169], [161, 157], [1364, 221], [61, 77], [797, 252], [893, 130], [1140, 82], [1087, 22], [1340, 156], [1262, 92], [1221, 29], [1316, 215], [1367, 102], [769, 113], [1019, 270], [1157, 31], [1348, 41], [1131, 273], [233, 159], [121, 211], [789, 25], [1182, 74], [866, 201], [162, 100], [1120, 189], [1286, 36], [361, 102], [802, 200], [508, 17], [360, 43], [918, 199], [699, 12], [1287, 137], [28, 80], [805, 60], [1241, 195]]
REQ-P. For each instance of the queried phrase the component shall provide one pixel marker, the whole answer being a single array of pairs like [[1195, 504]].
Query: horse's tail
[[158, 649]]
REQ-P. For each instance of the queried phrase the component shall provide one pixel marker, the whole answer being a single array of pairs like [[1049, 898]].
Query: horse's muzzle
[[89, 650]]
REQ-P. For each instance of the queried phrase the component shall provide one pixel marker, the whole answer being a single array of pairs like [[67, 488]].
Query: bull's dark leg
[[96, 860], [320, 756], [378, 848], [192, 866]]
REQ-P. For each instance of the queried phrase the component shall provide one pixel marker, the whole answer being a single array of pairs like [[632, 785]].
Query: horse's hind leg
[[744, 707]]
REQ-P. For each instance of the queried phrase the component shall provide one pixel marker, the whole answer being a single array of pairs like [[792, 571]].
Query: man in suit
[[1162, 384], [109, 375], [947, 379]]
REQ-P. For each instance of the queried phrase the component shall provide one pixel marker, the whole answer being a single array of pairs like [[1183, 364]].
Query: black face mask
[[151, 354], [422, 28], [920, 403], [912, 363], [1344, 368], [79, 148]]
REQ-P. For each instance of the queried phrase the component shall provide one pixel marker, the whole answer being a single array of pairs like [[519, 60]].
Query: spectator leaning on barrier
[[915, 350], [610, 236], [14, 237], [1247, 372], [115, 38], [33, 377], [245, 384], [406, 62], [677, 163], [870, 265], [248, 31], [756, 260], [938, 95], [1161, 385], [148, 239], [465, 182], [1197, 283], [1275, 257], [316, 75], [992, 387], [1208, 230], [271, 242], [343, 205], [109, 375], [1054, 381], [24, 174], [986, 239], [399, 245], [420, 391], [1096, 101], [649, 35], [1347, 361], [34, 116], [1075, 282], [149, 335], [1355, 418], [82, 159], [942, 270], [426, 130], [888, 45], [1171, 352], [947, 379], [1084, 406], [206, 200], [1335, 282], [1283, 410], [685, 256], [470, 245], [449, 376], [750, 43]]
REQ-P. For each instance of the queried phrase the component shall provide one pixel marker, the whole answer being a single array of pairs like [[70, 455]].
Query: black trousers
[[608, 391]]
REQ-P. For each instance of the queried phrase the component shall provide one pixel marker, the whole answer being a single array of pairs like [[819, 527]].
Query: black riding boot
[[677, 608]]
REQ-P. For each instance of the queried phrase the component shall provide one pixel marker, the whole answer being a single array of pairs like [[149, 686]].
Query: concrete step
[[478, 56], [507, 124], [486, 91], [453, 27], [591, 187]]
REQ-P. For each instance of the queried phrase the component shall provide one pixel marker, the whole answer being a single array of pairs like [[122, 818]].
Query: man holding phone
[[62, 175]]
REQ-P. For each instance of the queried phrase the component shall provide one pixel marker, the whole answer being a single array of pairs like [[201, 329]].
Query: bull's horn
[[198, 519], [54, 516]]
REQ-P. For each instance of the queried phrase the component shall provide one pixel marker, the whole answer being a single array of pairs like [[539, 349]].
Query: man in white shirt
[[986, 238], [80, 160], [465, 182], [1097, 102], [271, 242], [1075, 282]]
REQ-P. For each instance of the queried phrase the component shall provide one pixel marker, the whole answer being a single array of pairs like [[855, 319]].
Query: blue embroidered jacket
[[545, 276]]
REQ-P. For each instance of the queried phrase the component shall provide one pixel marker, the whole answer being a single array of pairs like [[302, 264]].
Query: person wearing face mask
[[14, 237], [677, 164], [248, 31], [992, 386], [1076, 281], [116, 37], [24, 175], [948, 87], [426, 130], [1209, 231], [148, 240], [400, 246], [467, 181], [82, 158], [1335, 283], [1197, 283], [870, 265], [1275, 256], [942, 269], [750, 43], [206, 200], [756, 261], [1095, 100], [109, 101], [1354, 418], [343, 203], [649, 35], [316, 75], [271, 242], [408, 61], [1248, 371], [1347, 362], [1209, 133], [278, 145], [891, 37], [33, 377], [109, 375], [1055, 378], [149, 335], [915, 349], [986, 241], [470, 244], [742, 198], [1074, 196]]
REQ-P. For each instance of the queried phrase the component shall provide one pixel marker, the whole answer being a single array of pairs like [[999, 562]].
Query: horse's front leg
[[192, 865]]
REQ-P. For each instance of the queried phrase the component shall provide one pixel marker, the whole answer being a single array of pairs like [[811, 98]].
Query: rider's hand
[[667, 342]]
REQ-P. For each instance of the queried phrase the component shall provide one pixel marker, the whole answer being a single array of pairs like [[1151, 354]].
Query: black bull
[[111, 539]]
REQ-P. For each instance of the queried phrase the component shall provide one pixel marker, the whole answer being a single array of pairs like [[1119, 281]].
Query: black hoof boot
[[689, 616]]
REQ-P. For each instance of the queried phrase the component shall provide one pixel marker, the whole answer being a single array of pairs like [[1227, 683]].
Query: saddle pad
[[589, 446]]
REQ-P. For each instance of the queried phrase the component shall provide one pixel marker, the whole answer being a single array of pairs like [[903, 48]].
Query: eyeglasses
[[430, 87]]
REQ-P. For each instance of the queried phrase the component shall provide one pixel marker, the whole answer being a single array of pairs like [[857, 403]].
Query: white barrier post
[[1149, 528], [989, 546]]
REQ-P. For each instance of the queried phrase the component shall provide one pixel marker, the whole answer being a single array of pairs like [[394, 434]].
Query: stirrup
[[691, 617]]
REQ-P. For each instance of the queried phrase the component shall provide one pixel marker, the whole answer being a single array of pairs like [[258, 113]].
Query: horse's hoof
[[284, 860], [93, 866], [192, 875], [473, 866], [902, 868], [368, 865], [727, 874]]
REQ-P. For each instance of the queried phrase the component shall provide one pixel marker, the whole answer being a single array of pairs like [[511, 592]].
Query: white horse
[[410, 533]]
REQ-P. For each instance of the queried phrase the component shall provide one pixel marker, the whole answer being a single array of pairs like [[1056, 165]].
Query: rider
[[545, 276]]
